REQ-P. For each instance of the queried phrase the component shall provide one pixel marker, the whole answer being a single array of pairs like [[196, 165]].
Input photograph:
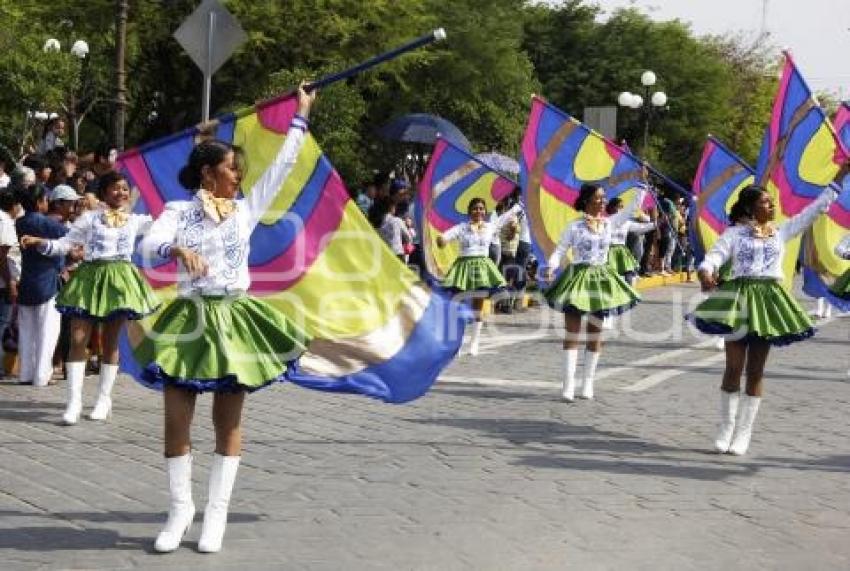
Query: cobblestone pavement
[[488, 471]]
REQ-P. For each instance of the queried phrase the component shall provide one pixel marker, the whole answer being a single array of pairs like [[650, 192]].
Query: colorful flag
[[800, 155], [376, 330], [452, 179], [720, 176], [559, 154], [821, 265]]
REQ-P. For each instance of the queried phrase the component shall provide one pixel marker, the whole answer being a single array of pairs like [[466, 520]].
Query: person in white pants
[[38, 332], [38, 320]]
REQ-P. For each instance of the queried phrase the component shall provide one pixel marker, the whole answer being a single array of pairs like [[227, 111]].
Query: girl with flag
[[753, 310], [474, 273], [214, 337], [106, 289], [588, 286]]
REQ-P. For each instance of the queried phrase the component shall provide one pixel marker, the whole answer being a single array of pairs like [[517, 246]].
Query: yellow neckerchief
[[595, 223], [478, 226], [217, 208], [766, 230], [115, 217]]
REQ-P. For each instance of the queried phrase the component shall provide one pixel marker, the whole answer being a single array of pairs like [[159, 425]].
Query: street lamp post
[[648, 104], [80, 50]]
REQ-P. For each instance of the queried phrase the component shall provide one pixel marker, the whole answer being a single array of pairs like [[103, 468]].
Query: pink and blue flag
[[376, 330], [559, 154], [720, 176], [801, 152], [821, 265]]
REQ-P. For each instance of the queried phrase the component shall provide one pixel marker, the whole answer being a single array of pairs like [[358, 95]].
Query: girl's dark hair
[[473, 202], [613, 205], [30, 196], [736, 214], [379, 209], [7, 199], [745, 205], [207, 153], [108, 180], [585, 194]]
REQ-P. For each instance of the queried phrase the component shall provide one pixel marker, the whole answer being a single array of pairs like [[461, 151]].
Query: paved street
[[488, 471]]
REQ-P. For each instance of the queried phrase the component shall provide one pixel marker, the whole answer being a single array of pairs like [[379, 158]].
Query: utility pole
[[120, 101], [764, 8]]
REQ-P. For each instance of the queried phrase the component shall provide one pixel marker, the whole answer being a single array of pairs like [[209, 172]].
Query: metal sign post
[[210, 35]]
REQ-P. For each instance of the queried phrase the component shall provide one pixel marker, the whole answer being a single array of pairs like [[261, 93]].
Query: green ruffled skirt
[[221, 344], [474, 273], [101, 290], [598, 290], [753, 309], [621, 260]]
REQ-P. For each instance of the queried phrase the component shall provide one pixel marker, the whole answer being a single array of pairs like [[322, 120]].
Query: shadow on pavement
[[31, 411], [581, 447]]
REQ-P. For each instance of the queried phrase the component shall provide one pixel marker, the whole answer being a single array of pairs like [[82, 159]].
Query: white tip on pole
[[440, 34]]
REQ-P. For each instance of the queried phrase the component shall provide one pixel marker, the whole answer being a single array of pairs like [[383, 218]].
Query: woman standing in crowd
[[391, 228], [38, 320], [474, 273], [753, 310], [106, 289], [588, 286], [213, 336]]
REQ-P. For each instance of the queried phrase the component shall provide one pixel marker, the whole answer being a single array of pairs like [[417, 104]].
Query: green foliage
[[497, 54], [714, 85]]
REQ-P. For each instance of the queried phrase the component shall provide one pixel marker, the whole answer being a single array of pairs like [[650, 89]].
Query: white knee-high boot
[[591, 360], [181, 512], [76, 372], [475, 338], [570, 364], [222, 477], [744, 428], [103, 405], [728, 412]]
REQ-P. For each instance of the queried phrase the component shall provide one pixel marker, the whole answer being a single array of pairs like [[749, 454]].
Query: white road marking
[[490, 382], [661, 376], [487, 346]]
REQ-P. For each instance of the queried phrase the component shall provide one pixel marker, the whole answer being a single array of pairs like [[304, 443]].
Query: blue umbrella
[[499, 162], [423, 128]]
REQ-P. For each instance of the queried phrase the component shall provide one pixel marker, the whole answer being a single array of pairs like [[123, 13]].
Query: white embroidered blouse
[[477, 242], [755, 257], [842, 249], [99, 240], [224, 245], [591, 246]]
